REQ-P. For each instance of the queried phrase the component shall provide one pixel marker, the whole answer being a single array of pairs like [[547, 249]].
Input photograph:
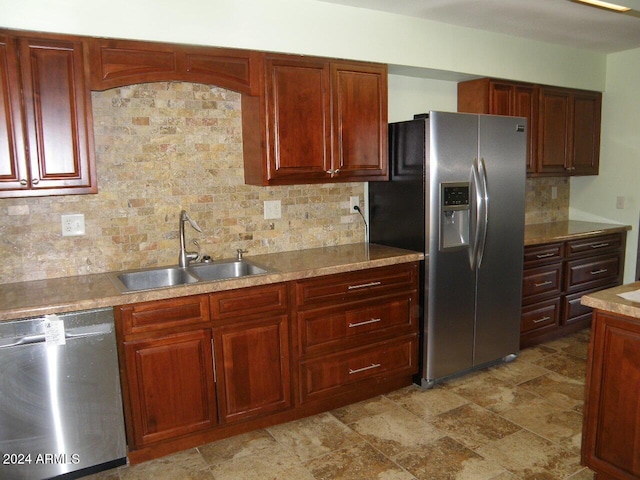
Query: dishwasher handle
[[71, 334]]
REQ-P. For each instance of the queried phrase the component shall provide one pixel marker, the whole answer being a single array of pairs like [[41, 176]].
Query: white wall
[[410, 95], [594, 198], [316, 28]]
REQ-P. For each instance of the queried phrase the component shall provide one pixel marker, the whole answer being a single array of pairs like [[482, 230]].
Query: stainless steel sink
[[149, 279], [225, 269], [163, 277]]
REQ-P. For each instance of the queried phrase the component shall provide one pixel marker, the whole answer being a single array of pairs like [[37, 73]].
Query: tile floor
[[520, 420]]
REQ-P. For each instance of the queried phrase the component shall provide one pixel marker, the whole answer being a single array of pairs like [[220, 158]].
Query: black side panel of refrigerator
[[397, 207]]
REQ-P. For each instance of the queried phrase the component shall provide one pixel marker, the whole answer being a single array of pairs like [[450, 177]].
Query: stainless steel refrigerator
[[457, 192]]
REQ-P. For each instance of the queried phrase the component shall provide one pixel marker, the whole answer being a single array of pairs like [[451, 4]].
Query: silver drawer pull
[[364, 369], [598, 272], [543, 319], [543, 284], [366, 322], [545, 255], [600, 245], [364, 285]]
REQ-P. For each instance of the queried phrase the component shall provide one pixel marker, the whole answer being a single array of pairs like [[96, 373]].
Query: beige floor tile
[[185, 465], [531, 457], [584, 474], [491, 393], [561, 391], [564, 364], [516, 372], [247, 444], [474, 426], [360, 462], [531, 354], [314, 436], [427, 403], [447, 459], [560, 426], [374, 406], [393, 431]]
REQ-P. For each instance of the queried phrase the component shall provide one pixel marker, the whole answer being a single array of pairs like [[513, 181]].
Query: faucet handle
[[240, 253], [184, 216]]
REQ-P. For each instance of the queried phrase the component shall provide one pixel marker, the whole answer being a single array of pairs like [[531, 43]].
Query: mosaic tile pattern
[[160, 148], [516, 421], [541, 207]]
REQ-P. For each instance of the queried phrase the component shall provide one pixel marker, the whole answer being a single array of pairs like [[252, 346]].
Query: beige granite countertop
[[67, 294], [609, 301], [540, 233]]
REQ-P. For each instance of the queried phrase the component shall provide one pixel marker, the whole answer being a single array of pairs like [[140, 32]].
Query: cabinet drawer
[[356, 284], [323, 376], [594, 245], [326, 327], [543, 281], [161, 314], [542, 254], [592, 271], [247, 301], [540, 316], [573, 310]]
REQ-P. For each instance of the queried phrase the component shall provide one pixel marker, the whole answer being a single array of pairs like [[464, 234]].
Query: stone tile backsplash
[[163, 147]]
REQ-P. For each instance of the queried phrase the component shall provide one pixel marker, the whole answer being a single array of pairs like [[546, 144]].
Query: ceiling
[[559, 22]]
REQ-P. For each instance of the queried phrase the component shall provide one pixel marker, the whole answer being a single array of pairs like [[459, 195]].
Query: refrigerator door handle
[[475, 180], [483, 220]]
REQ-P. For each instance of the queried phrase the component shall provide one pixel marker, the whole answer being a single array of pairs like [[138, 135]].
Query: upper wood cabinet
[[115, 63], [317, 121], [504, 98], [564, 124], [46, 122]]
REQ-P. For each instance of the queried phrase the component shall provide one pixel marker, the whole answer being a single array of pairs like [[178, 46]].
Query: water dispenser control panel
[[454, 214]]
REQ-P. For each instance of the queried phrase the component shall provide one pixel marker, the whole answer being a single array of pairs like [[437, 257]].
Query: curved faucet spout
[[186, 257]]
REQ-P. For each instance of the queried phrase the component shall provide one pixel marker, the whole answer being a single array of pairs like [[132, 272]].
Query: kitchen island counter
[[609, 301], [84, 292]]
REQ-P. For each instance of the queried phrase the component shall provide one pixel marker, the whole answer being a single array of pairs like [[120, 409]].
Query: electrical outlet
[[272, 209], [620, 203], [554, 192], [353, 202], [72, 225]]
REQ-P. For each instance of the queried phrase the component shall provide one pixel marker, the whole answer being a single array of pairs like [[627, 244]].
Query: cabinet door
[[58, 115], [359, 122], [553, 141], [299, 120], [611, 432], [171, 386], [252, 367], [13, 167], [585, 155], [525, 104]]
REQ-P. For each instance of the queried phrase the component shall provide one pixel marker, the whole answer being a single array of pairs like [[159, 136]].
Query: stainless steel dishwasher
[[60, 404]]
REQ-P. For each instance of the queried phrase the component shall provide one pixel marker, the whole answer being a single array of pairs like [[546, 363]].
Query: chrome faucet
[[186, 257]]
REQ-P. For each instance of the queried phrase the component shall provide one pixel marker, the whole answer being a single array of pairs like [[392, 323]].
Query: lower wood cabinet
[[198, 368], [170, 385], [556, 275], [611, 430]]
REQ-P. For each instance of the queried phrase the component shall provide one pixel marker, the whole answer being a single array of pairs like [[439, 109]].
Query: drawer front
[[325, 375], [355, 285], [543, 281], [572, 308], [594, 246], [591, 272], [542, 254], [327, 327], [162, 314], [248, 301], [540, 316]]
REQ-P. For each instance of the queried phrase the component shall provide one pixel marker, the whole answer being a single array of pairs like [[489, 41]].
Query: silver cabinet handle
[[23, 181], [366, 322], [543, 284], [543, 319], [600, 245], [35, 181], [333, 172], [597, 272], [364, 369], [545, 255], [364, 285]]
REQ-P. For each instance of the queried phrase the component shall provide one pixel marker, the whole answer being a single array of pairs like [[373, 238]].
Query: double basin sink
[[163, 277]]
